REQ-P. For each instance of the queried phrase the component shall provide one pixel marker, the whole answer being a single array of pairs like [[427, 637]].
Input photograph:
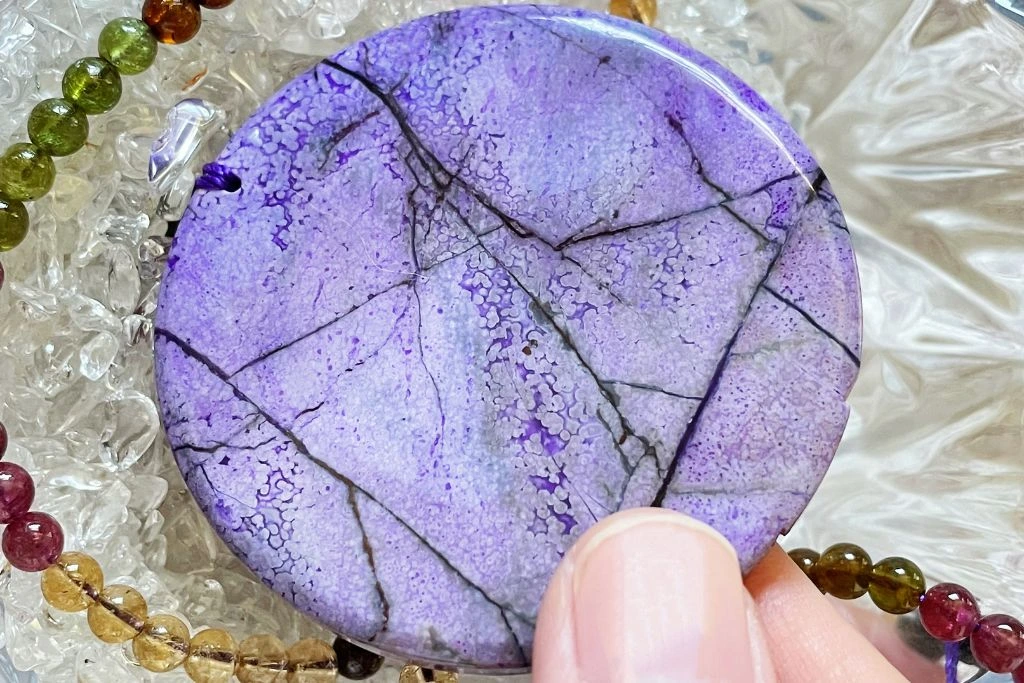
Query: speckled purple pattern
[[491, 276]]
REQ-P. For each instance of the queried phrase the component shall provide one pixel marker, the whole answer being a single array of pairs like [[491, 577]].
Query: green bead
[[13, 224], [26, 173], [58, 127], [93, 84], [843, 571], [896, 585], [129, 45]]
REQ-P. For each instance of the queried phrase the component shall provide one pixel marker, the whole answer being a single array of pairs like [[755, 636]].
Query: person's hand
[[652, 596]]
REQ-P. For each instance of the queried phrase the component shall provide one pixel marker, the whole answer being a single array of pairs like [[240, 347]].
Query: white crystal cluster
[[922, 155]]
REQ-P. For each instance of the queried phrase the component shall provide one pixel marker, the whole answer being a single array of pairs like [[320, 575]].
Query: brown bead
[[70, 584], [118, 614], [644, 11], [162, 645], [262, 659], [896, 585], [805, 558], [312, 661], [215, 4], [211, 657], [172, 21], [844, 570]]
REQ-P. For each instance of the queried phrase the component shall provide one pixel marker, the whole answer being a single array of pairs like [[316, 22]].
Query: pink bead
[[33, 542], [998, 643], [949, 612], [1018, 675], [3, 431], [16, 492]]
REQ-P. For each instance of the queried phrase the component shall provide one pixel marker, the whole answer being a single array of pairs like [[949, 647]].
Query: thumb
[[649, 596]]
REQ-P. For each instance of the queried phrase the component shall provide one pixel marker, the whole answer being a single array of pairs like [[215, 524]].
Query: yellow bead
[[211, 657], [645, 11], [415, 674], [262, 659], [312, 661], [163, 643], [118, 614], [70, 584]]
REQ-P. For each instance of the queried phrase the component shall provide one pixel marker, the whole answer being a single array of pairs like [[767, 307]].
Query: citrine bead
[[33, 541], [949, 612], [93, 84], [26, 173], [215, 4], [896, 585], [644, 11], [71, 582], [354, 662], [212, 655], [172, 21], [58, 127], [118, 614], [162, 644], [17, 491], [805, 558], [416, 674], [129, 45], [998, 643], [843, 570], [13, 230], [262, 659], [312, 661]]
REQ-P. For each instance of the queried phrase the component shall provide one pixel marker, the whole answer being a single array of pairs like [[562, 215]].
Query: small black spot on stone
[[527, 350]]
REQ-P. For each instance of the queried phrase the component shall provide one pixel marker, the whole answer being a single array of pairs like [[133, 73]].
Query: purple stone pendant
[[491, 276]]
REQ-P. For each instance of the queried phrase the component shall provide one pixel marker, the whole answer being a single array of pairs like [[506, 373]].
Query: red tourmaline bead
[[1018, 675], [33, 542], [949, 612], [16, 492], [3, 430], [998, 643]]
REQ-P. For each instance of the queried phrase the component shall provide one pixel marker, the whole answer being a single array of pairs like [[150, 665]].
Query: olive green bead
[[13, 223], [26, 173], [805, 558], [897, 585], [93, 84], [129, 45], [58, 127], [844, 570]]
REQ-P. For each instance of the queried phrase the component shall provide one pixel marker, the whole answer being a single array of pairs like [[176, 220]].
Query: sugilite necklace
[[452, 296]]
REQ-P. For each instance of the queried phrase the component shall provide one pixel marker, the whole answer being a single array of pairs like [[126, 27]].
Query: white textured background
[[914, 107]]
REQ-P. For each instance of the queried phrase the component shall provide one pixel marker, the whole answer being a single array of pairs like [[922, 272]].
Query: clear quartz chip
[[192, 126]]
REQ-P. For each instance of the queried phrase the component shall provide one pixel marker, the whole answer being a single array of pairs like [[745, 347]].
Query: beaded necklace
[[73, 582]]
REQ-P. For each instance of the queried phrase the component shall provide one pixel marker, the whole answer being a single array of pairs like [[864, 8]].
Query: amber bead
[[645, 11], [805, 558], [211, 657], [312, 661], [172, 21], [262, 659], [215, 4], [118, 614], [897, 585], [162, 644], [415, 674], [71, 583], [843, 570]]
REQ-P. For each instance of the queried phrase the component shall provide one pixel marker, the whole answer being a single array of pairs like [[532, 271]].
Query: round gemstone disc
[[491, 276]]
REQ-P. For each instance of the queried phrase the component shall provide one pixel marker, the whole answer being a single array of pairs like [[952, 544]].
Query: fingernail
[[659, 597]]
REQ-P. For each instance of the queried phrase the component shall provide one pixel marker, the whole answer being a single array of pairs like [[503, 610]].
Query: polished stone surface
[[491, 276]]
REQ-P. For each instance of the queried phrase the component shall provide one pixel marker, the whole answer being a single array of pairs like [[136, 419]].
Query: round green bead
[[58, 127], [13, 224], [896, 585], [93, 84], [129, 45], [26, 173]]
